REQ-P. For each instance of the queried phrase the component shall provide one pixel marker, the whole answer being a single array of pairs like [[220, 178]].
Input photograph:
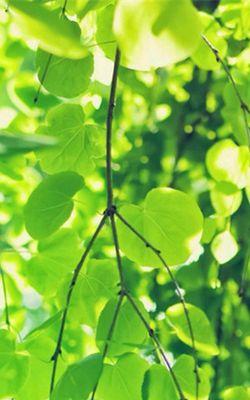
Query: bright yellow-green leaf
[[64, 77], [79, 143], [226, 198], [158, 384], [129, 330], [224, 247], [51, 204], [123, 380], [154, 33], [184, 371], [170, 220], [202, 330], [228, 162], [55, 33], [203, 56]]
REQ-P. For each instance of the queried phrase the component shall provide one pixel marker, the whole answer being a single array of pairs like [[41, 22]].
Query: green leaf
[[50, 204], [62, 76], [236, 393], [203, 56], [14, 369], [184, 371], [228, 162], [202, 330], [209, 229], [55, 33], [123, 380], [224, 247], [170, 220], [129, 330], [100, 280], [226, 198], [232, 112], [158, 384], [37, 382], [162, 39], [11, 144], [79, 380], [7, 341], [57, 256], [79, 144], [13, 365]]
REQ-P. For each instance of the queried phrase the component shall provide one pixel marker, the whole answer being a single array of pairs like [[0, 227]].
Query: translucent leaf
[[79, 379], [58, 255], [162, 39], [129, 330], [50, 204], [203, 56], [100, 280], [55, 33], [79, 143], [236, 393], [13, 365], [228, 162], [123, 380], [37, 382], [170, 220], [14, 369], [11, 144], [202, 330], [226, 198], [7, 341], [184, 371], [224, 247], [158, 384], [64, 77]]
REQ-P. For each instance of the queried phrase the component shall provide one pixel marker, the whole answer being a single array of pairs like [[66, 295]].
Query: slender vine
[[6, 305]]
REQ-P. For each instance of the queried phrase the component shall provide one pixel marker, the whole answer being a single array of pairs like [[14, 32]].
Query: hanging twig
[[178, 292], [77, 270], [243, 104], [6, 306]]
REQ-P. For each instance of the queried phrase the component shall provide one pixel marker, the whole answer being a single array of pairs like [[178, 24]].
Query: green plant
[[96, 323]]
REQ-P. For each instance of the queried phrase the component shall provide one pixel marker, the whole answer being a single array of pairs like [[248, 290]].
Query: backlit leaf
[[51, 204]]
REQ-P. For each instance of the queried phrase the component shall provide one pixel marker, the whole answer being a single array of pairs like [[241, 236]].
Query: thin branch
[[43, 78], [244, 107], [110, 334], [6, 306], [77, 270], [109, 122], [178, 292], [140, 315], [64, 7], [157, 345]]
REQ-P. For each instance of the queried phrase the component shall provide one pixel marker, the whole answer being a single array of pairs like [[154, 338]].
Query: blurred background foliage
[[166, 121]]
